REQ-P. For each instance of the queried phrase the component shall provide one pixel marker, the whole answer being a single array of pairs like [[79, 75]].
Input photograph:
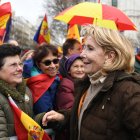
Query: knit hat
[[70, 61]]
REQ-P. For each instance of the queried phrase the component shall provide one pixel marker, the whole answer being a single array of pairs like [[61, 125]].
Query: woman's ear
[[110, 56]]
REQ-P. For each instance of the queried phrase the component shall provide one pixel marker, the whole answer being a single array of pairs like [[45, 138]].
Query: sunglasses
[[48, 62]]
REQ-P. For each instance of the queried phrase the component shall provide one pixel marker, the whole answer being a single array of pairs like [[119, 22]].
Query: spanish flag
[[26, 128], [43, 33], [40, 82], [5, 21], [73, 32]]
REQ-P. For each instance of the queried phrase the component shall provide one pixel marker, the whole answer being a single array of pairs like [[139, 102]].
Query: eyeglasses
[[48, 62]]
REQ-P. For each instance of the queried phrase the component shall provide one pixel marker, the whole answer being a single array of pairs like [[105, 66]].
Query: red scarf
[[39, 85]]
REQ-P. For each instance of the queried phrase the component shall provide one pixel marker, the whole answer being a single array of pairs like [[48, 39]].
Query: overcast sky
[[29, 9]]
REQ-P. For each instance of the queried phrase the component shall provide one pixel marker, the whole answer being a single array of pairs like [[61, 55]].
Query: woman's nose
[[52, 65], [83, 55], [20, 67], [81, 69]]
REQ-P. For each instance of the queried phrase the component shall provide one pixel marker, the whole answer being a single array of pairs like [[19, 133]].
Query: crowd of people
[[91, 92]]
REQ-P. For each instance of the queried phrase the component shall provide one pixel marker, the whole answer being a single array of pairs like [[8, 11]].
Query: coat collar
[[114, 77], [16, 93]]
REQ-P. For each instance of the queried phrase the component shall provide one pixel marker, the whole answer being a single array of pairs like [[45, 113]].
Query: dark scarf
[[16, 93]]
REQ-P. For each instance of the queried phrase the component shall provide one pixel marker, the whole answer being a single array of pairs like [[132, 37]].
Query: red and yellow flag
[[5, 20], [40, 82], [26, 128], [73, 32], [43, 33], [5, 8]]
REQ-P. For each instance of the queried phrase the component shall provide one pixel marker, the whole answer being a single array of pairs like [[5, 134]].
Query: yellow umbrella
[[98, 14]]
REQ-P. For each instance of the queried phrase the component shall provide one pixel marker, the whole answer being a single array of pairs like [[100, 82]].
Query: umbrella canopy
[[98, 14]]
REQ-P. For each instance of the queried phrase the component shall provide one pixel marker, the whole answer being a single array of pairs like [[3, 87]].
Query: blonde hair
[[112, 40]]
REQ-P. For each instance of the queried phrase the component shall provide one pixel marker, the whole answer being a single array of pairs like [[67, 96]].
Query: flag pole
[[3, 37]]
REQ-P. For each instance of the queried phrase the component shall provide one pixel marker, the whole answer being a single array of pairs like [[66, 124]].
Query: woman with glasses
[[44, 78], [13, 87]]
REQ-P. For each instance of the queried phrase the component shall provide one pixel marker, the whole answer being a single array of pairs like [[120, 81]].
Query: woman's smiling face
[[77, 69], [93, 56], [11, 71], [51, 69]]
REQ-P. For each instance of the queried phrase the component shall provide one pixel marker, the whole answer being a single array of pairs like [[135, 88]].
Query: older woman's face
[[77, 69], [93, 56], [51, 68], [11, 71]]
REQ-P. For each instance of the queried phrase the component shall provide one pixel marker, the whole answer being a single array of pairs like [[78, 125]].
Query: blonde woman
[[108, 104]]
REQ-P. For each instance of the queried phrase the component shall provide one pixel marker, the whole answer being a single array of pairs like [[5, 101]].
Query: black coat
[[113, 114]]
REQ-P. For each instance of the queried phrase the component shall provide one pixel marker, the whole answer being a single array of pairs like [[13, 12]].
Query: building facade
[[23, 32]]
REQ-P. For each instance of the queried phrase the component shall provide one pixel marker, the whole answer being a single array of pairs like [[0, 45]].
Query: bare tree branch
[[53, 8]]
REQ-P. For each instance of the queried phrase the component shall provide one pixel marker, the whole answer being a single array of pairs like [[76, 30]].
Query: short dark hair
[[69, 44], [44, 50], [7, 50]]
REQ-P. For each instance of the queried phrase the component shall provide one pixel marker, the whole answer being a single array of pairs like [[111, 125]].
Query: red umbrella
[[96, 13]]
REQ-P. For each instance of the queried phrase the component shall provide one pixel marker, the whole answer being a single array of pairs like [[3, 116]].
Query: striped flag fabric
[[73, 32], [5, 21], [26, 128], [43, 33]]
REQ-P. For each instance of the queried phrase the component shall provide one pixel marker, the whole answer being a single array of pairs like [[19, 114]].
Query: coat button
[[108, 99], [103, 107]]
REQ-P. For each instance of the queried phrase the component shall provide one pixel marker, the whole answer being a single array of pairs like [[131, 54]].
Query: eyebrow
[[15, 63], [89, 45]]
